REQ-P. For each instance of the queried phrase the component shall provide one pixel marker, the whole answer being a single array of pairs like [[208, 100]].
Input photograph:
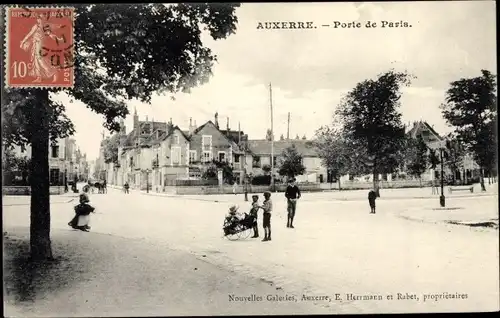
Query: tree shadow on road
[[26, 280]]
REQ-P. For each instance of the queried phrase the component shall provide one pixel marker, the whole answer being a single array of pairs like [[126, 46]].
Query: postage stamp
[[39, 47]]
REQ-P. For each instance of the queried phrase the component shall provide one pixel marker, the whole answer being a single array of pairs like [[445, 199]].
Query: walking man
[[372, 196], [292, 194]]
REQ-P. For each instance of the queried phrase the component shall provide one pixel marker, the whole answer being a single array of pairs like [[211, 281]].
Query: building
[[158, 153], [259, 156], [467, 168], [57, 159]]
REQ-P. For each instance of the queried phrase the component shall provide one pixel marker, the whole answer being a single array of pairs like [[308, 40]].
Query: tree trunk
[[376, 183], [340, 188], [40, 200], [420, 180], [481, 179]]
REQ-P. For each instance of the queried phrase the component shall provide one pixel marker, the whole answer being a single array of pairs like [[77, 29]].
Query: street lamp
[[147, 180], [442, 200]]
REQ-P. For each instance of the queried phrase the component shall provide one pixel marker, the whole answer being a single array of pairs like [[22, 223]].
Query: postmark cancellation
[[39, 47]]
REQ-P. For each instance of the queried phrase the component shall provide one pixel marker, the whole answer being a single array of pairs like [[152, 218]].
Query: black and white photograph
[[281, 158]]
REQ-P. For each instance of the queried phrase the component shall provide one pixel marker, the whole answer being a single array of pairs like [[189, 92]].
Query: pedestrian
[[104, 187], [81, 220], [126, 187], [267, 206], [292, 194], [372, 196], [254, 213]]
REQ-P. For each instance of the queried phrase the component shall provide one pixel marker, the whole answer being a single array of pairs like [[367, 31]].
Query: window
[[207, 156], [176, 140], [256, 161], [237, 158], [55, 151], [175, 155], [206, 142], [192, 156], [222, 156], [54, 176]]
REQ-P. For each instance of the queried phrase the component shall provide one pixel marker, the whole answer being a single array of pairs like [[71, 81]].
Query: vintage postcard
[[199, 159]]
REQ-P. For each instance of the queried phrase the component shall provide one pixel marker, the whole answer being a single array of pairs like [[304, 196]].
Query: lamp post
[[442, 200], [147, 180]]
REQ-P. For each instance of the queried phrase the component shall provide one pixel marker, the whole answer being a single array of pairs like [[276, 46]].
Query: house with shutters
[[169, 158], [259, 156], [210, 143], [158, 153]]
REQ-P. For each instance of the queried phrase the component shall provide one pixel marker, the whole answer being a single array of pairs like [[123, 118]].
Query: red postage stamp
[[40, 47]]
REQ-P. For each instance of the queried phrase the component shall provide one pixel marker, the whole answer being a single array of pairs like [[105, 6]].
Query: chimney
[[191, 127], [217, 120], [228, 124]]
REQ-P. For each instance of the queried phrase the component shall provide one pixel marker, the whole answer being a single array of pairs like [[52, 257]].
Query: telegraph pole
[[288, 128], [272, 136]]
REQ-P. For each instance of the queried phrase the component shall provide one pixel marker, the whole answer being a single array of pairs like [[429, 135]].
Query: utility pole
[[288, 127], [239, 133], [272, 136]]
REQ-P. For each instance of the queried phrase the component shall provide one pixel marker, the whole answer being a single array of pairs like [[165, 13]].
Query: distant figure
[[126, 186], [267, 206], [372, 196], [234, 187], [104, 187], [292, 194]]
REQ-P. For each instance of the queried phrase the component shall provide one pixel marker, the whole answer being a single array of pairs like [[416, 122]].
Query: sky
[[312, 69]]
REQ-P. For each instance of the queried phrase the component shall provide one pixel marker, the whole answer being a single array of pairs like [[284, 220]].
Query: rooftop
[[263, 147]]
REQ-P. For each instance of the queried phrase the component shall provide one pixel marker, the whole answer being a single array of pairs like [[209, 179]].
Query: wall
[[219, 142], [27, 190]]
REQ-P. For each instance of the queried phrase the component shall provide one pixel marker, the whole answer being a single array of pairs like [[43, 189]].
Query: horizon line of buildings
[[158, 153]]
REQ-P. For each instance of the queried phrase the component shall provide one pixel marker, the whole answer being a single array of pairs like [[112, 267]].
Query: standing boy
[[267, 206], [372, 196], [254, 213], [292, 194]]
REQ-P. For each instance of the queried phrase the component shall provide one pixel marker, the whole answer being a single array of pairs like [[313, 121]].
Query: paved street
[[336, 247]]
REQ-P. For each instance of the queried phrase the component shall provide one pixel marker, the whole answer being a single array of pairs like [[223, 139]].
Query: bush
[[261, 180]]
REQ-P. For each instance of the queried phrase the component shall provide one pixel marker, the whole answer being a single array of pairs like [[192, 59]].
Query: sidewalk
[[100, 275], [345, 195], [12, 200], [474, 213]]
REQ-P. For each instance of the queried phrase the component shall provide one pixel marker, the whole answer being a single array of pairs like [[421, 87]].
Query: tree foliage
[[110, 147], [453, 154], [269, 135], [333, 151], [371, 123], [471, 108], [266, 168], [417, 156], [11, 162], [122, 52], [291, 163], [212, 168], [433, 159]]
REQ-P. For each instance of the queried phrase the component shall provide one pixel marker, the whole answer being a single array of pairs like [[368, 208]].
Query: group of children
[[267, 207]]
